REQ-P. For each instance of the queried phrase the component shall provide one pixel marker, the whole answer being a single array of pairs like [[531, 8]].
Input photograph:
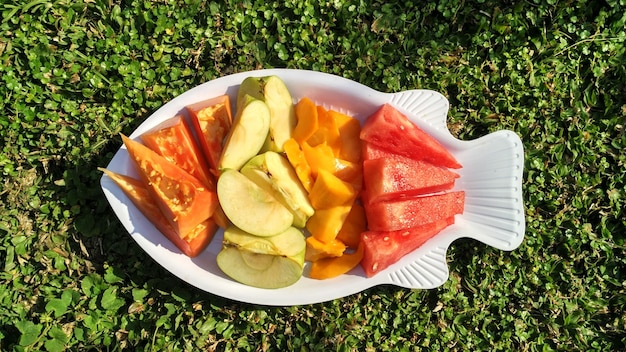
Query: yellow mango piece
[[298, 161], [329, 191], [349, 131], [327, 132], [328, 268], [316, 249], [350, 172], [319, 157], [355, 224], [306, 114], [325, 224]]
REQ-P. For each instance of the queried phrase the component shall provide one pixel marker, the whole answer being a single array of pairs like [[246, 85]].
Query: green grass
[[74, 74]]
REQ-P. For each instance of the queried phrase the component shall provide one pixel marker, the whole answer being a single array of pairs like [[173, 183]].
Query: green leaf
[[53, 345], [110, 276], [29, 332], [139, 294], [58, 340], [57, 306], [110, 301]]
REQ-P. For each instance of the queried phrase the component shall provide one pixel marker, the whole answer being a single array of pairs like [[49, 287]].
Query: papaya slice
[[184, 200], [191, 243]]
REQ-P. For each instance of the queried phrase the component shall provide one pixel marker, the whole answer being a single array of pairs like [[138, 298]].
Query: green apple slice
[[252, 86], [260, 270], [274, 173], [276, 95], [247, 135], [287, 244], [250, 207]]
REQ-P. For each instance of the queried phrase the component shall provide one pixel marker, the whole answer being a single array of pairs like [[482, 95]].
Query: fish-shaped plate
[[491, 177]]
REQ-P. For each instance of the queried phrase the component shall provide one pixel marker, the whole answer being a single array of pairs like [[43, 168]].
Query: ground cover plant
[[75, 74]]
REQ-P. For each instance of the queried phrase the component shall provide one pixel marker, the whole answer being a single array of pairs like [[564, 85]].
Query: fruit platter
[[287, 187]]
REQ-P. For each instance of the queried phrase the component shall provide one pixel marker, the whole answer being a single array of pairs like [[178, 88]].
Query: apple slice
[[274, 92], [287, 244], [260, 270], [247, 135], [265, 262], [274, 173], [250, 207]]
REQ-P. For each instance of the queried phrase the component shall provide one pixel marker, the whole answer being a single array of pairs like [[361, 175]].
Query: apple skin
[[250, 207], [273, 172], [247, 135], [273, 91]]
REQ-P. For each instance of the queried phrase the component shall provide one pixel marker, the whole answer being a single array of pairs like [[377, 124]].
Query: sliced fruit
[[353, 226], [288, 243], [329, 191], [316, 249], [247, 135], [296, 158], [403, 213], [328, 268], [273, 91], [351, 172], [325, 224], [306, 115], [273, 172], [260, 270], [319, 157], [327, 132], [266, 262], [173, 139], [399, 177], [372, 151], [211, 120], [384, 248], [220, 218], [191, 244], [184, 200], [250, 207], [349, 131], [393, 131]]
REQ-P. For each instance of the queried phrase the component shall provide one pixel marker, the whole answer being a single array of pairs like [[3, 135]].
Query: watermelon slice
[[399, 177], [391, 130], [372, 151], [404, 213], [384, 248]]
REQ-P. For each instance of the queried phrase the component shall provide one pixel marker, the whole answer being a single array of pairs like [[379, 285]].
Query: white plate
[[491, 177]]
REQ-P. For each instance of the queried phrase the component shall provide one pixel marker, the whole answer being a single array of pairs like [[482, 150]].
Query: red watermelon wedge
[[404, 213], [372, 151], [384, 248], [392, 131], [399, 177]]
